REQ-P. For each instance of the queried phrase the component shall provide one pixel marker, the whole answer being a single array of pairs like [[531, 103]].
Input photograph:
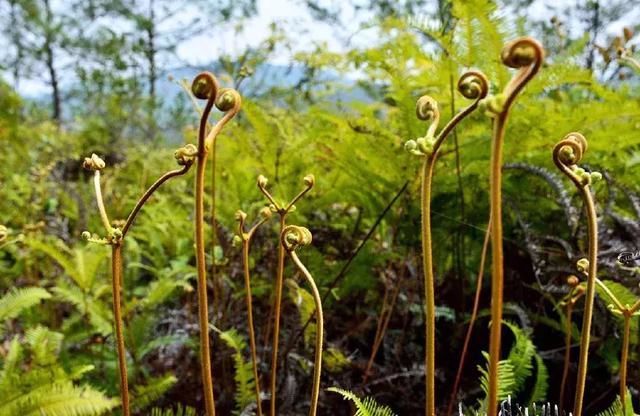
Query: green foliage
[[522, 365], [364, 407], [45, 388], [178, 411], [245, 384], [17, 301], [616, 408]]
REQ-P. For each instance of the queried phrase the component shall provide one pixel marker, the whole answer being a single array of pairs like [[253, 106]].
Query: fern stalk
[[246, 243], [116, 281], [526, 54], [291, 238], [277, 305], [473, 85], [205, 86], [623, 361], [282, 212], [566, 154]]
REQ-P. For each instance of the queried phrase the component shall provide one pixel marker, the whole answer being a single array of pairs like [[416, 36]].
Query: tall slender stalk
[[575, 293], [205, 87], [115, 238], [116, 273], [246, 243], [566, 154], [291, 238], [627, 312], [473, 85], [527, 55], [282, 212]]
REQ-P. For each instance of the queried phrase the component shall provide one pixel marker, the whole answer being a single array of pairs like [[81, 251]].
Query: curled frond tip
[[294, 236]]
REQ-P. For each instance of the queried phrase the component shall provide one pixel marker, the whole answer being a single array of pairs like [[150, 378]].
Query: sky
[[304, 31]]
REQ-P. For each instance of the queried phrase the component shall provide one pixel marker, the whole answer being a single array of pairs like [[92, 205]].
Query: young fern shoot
[[282, 211], [526, 55], [245, 237], [205, 87], [474, 86], [566, 155], [291, 238], [115, 238]]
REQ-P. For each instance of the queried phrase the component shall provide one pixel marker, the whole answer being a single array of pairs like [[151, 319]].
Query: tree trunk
[[49, 61]]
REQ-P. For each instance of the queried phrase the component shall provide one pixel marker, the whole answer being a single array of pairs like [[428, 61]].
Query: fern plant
[[475, 86], [33, 382], [364, 407], [245, 394]]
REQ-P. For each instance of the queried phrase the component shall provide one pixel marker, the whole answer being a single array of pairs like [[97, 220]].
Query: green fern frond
[[17, 301], [366, 407], [145, 395], [306, 309], [179, 411], [539, 392], [616, 407], [245, 384], [506, 379], [44, 344], [59, 399]]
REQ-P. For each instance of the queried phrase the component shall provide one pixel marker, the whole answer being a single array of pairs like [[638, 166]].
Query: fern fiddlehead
[[526, 55], [472, 85], [115, 237], [291, 238], [205, 87], [245, 237], [566, 155], [282, 211]]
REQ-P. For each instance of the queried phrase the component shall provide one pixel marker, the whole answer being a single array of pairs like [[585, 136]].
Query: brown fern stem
[[116, 279], [429, 292], [497, 280], [317, 363], [589, 298], [203, 309], [277, 305], [252, 334]]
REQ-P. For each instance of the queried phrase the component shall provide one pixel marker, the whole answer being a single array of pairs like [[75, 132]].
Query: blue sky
[[304, 32]]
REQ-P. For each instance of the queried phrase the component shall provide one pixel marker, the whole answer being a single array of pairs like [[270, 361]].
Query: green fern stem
[[252, 334], [585, 337], [317, 369], [429, 291], [116, 279], [277, 305]]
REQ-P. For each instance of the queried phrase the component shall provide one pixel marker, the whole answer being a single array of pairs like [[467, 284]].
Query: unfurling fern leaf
[[245, 384], [364, 407]]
